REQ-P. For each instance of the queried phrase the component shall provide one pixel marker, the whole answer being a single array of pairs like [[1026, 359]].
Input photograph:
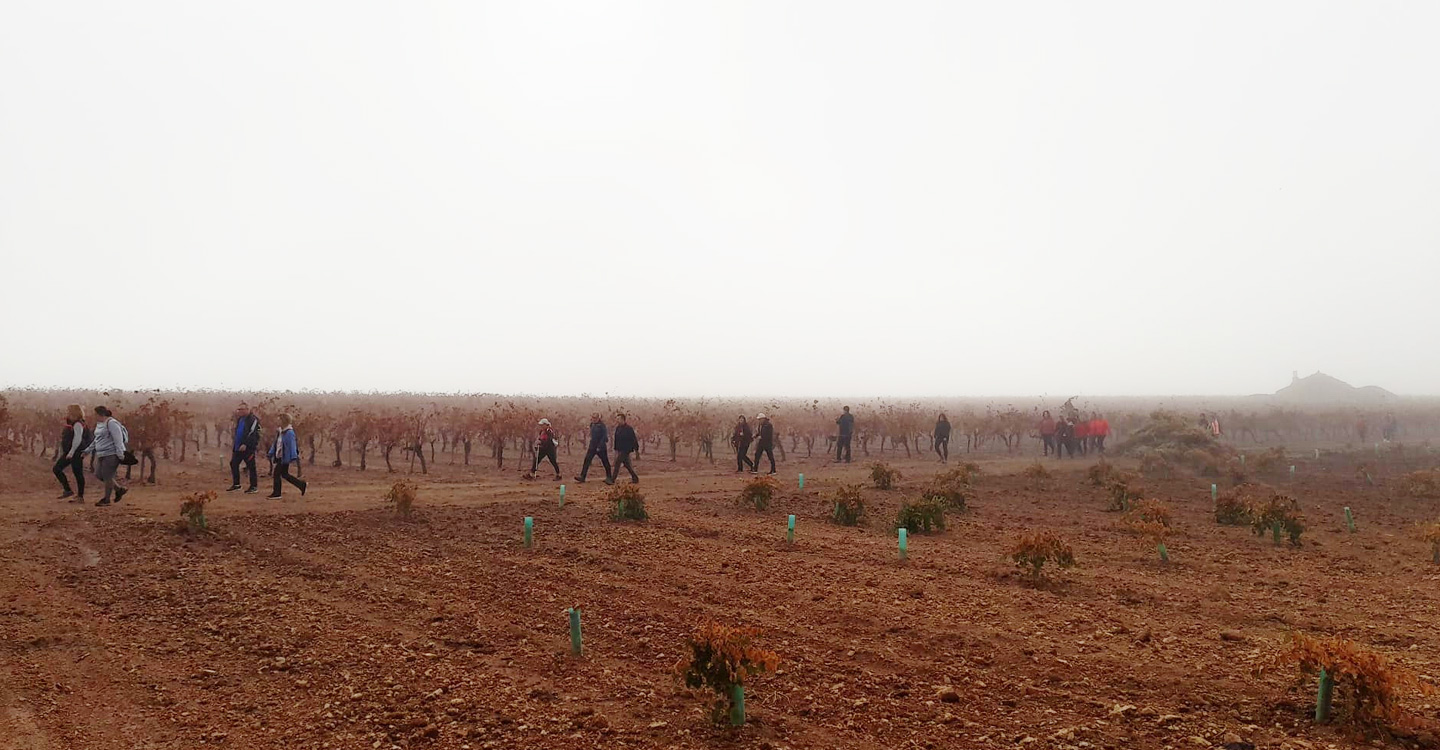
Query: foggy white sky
[[725, 198]]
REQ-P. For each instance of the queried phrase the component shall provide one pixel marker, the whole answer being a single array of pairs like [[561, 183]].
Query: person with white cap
[[545, 447], [764, 443]]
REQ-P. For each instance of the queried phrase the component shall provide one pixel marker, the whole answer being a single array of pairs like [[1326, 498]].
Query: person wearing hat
[[740, 439], [545, 448], [764, 443], [626, 444], [599, 444]]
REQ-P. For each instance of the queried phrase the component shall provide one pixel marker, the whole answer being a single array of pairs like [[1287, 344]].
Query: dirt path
[[328, 623]]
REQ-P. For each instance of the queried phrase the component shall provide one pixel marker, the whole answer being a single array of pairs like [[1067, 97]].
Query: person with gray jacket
[[111, 439]]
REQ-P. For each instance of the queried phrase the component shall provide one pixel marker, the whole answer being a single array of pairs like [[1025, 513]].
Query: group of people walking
[[282, 453], [763, 438], [108, 445], [1072, 434], [627, 444]]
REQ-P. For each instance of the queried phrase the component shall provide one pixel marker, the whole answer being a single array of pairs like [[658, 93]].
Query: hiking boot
[[581, 480], [304, 486], [120, 493], [609, 481], [232, 488], [102, 502], [67, 494], [253, 491], [273, 497]]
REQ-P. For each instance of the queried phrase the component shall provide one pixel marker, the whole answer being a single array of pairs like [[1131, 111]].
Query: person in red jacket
[[1047, 433], [545, 448], [1082, 435], [1099, 430]]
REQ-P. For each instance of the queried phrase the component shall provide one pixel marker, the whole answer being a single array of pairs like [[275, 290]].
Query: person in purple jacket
[[284, 452]]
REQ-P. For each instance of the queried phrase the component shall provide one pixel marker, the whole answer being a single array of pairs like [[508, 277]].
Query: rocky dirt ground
[[326, 622]]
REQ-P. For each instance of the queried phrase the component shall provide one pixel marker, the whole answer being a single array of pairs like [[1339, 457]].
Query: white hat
[[761, 415], [545, 421]]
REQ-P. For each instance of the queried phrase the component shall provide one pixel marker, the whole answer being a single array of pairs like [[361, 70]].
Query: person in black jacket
[[74, 439], [243, 448], [625, 444], [942, 438], [740, 439], [599, 442], [1064, 436], [764, 444], [846, 422]]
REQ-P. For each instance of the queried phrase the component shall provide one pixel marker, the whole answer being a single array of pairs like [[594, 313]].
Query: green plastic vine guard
[[1323, 697], [1317, 454], [1164, 553], [1242, 459], [1214, 492], [1275, 530], [1368, 480], [1349, 519], [737, 705], [790, 530], [1435, 553], [575, 647], [562, 495], [529, 531], [904, 551], [1292, 472], [802, 481]]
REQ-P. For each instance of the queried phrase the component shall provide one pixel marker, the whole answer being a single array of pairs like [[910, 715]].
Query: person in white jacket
[[111, 439]]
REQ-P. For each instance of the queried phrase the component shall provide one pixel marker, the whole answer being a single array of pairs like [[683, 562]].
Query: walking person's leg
[[77, 467], [770, 453], [585, 467], [630, 467], [848, 439], [275, 483], [59, 470], [105, 472], [553, 455], [254, 474], [235, 458], [283, 470], [839, 447]]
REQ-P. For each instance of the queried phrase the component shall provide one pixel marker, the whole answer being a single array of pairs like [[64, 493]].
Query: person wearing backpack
[[75, 440], [111, 441], [546, 448], [284, 452], [246, 442]]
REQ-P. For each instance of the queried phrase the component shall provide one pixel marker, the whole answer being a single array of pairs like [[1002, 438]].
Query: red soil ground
[[328, 623]]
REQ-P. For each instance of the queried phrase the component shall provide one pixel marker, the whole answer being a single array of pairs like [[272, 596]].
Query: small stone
[[1122, 710], [1170, 719], [1234, 636], [1198, 741], [948, 694]]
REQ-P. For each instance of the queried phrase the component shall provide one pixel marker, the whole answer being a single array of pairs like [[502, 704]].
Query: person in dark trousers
[[1064, 437], [764, 444], [741, 439], [284, 452], [74, 440], [546, 448], [626, 444], [243, 448], [942, 438], [846, 422], [108, 448], [599, 443], [1047, 433]]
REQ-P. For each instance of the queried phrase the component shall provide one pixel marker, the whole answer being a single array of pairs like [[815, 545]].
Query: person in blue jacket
[[244, 445], [283, 452], [599, 445]]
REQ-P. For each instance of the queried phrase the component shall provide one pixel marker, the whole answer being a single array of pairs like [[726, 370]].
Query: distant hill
[[1324, 389]]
